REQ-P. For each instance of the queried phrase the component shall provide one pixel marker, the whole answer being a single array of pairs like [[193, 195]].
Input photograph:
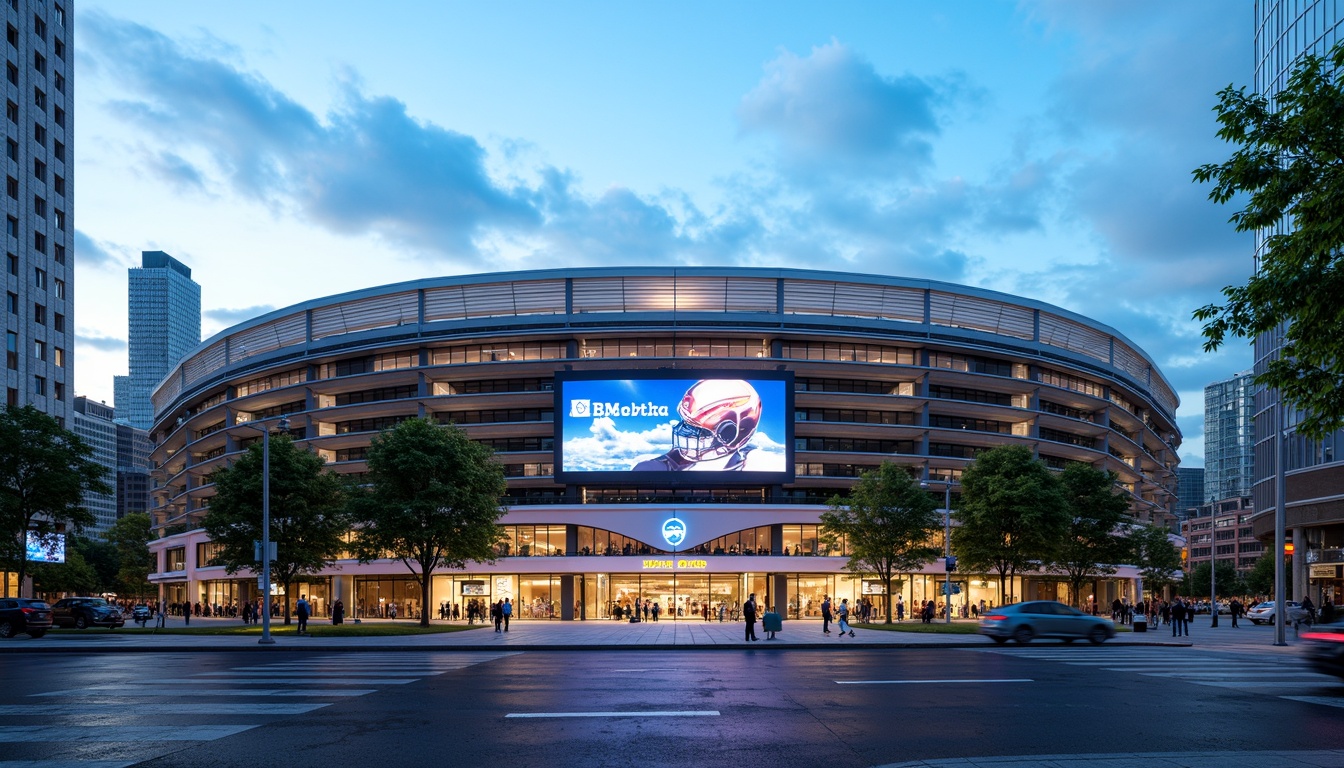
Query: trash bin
[[772, 623], [1140, 623]]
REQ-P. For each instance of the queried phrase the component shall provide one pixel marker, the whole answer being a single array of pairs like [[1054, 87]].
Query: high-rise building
[[1189, 490], [1229, 438], [95, 424], [133, 447], [1285, 31], [39, 206], [165, 324]]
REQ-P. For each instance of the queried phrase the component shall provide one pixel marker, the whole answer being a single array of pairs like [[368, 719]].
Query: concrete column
[[1299, 563], [779, 594], [567, 597]]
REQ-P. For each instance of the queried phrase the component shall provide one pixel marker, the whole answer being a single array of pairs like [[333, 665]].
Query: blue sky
[[286, 151]]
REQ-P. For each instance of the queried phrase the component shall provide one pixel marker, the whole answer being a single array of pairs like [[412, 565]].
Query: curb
[[297, 647]]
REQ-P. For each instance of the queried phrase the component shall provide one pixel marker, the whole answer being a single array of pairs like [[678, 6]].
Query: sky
[[289, 151]]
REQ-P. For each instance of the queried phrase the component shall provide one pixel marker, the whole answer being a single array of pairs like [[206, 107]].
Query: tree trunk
[[424, 596], [887, 600]]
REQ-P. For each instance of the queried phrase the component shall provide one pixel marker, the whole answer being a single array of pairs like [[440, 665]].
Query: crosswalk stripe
[[1230, 675], [1327, 701], [168, 687], [160, 692], [148, 708], [313, 676], [100, 733]]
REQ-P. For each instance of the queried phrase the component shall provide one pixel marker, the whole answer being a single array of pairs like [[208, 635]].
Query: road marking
[[915, 682], [158, 692], [1235, 675], [655, 713], [145, 708], [1327, 701], [173, 687], [101, 733], [312, 676]]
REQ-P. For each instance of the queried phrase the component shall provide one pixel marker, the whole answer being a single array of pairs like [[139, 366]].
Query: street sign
[[954, 589], [256, 551]]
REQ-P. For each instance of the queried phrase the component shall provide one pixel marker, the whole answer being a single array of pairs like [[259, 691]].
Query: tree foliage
[[131, 536], [45, 471], [1156, 556], [1013, 514], [1093, 542], [1229, 581], [888, 524], [432, 500], [307, 513], [76, 576], [1289, 168], [1260, 581]]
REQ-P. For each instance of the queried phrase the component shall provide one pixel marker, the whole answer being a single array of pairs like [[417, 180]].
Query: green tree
[[432, 500], [131, 536], [1229, 582], [1260, 581], [307, 513], [45, 471], [1013, 514], [1156, 556], [1093, 542], [1289, 169], [887, 522], [75, 576], [102, 558]]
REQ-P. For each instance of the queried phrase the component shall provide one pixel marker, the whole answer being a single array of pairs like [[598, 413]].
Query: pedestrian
[[497, 615], [1180, 618], [655, 611], [900, 609], [1327, 611], [646, 610], [749, 615], [843, 613], [826, 615], [1310, 608], [301, 611], [1234, 608], [338, 612], [507, 611]]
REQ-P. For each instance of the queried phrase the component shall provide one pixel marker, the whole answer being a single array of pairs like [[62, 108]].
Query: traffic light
[[951, 562], [1288, 548]]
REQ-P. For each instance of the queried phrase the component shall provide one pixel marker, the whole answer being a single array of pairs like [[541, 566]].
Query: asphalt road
[[840, 707]]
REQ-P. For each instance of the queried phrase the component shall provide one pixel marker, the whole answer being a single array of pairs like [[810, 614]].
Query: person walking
[[749, 615], [843, 622], [301, 611], [1234, 608], [655, 611], [826, 615], [338, 612], [507, 612], [497, 615]]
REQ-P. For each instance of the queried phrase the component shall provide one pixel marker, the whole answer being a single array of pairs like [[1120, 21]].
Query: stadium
[[668, 434]]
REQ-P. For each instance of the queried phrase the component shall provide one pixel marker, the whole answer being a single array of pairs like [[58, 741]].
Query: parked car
[[82, 612], [141, 614], [20, 615], [1324, 648], [1024, 622], [1263, 613]]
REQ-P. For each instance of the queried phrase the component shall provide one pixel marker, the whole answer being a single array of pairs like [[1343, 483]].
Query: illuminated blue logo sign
[[674, 531]]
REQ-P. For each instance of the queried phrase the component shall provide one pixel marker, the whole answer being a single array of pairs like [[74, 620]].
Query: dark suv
[[19, 615], [81, 612]]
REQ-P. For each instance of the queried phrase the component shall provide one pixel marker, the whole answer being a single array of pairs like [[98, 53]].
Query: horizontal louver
[[980, 314], [208, 360], [1075, 337], [273, 335], [364, 314]]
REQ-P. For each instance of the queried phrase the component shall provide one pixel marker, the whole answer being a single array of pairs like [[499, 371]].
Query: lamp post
[[1280, 526], [266, 638], [947, 544]]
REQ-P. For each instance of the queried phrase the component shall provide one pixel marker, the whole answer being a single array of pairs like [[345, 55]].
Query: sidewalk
[[586, 635]]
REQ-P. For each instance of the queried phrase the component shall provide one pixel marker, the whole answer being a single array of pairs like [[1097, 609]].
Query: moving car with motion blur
[[1024, 622], [82, 612], [1323, 647], [20, 615]]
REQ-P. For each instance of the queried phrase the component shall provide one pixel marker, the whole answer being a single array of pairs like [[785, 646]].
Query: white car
[[1263, 613]]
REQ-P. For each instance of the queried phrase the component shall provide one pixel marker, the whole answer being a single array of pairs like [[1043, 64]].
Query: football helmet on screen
[[718, 417]]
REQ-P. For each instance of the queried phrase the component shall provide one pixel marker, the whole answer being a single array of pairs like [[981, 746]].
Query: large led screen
[[48, 548], [674, 428]]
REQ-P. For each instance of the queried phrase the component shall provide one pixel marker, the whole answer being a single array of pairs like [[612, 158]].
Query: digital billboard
[[667, 428], [46, 548]]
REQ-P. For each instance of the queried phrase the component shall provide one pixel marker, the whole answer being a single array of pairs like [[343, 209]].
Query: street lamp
[[266, 638], [947, 544]]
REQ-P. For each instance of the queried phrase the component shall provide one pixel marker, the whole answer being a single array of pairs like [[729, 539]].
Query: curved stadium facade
[[854, 370]]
